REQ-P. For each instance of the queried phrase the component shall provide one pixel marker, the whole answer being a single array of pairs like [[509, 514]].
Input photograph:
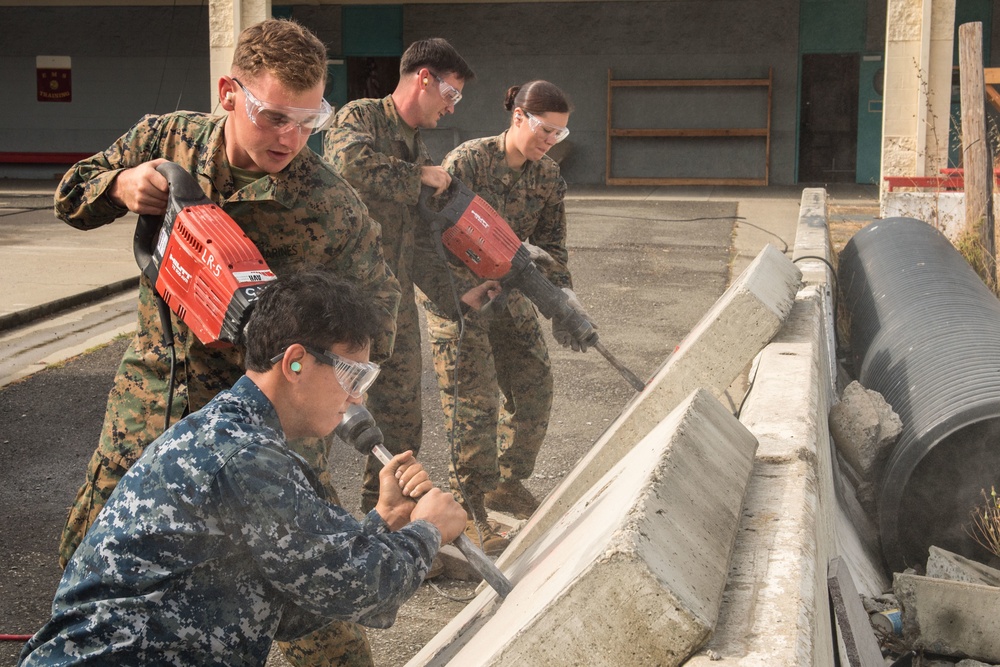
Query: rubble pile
[[946, 614]]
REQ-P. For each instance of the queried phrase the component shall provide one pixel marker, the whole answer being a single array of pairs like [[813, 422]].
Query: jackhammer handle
[[184, 188], [184, 191], [477, 559], [459, 196], [551, 301]]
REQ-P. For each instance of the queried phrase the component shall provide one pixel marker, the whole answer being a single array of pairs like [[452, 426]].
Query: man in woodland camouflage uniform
[[252, 161], [376, 145], [220, 537]]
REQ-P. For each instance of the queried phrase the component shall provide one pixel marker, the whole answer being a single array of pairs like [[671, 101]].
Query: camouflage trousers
[[338, 644], [395, 398], [502, 377]]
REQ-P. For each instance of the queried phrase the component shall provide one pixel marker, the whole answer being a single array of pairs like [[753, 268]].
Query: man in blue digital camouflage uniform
[[221, 538]]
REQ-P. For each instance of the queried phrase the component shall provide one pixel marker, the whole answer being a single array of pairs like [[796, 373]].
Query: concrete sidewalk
[[46, 265]]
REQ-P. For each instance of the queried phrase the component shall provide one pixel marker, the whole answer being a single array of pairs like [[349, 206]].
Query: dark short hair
[[437, 55], [537, 97], [311, 307]]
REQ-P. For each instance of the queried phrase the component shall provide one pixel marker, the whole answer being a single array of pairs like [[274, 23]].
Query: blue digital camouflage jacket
[[218, 540]]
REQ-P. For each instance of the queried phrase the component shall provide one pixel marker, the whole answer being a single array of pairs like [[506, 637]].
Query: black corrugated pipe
[[925, 333]]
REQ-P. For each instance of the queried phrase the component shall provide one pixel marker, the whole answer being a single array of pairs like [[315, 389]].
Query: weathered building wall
[[574, 45], [136, 60], [126, 62]]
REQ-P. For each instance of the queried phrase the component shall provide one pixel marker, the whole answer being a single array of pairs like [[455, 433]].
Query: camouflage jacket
[[306, 215], [368, 146], [531, 201], [218, 540]]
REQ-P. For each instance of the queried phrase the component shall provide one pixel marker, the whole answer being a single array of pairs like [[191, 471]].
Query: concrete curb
[[634, 572], [29, 315], [716, 350]]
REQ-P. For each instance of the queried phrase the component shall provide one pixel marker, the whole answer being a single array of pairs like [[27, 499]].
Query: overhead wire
[[23, 209]]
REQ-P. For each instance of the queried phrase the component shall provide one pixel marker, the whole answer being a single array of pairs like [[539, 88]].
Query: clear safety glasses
[[450, 93], [354, 376], [282, 119], [547, 130]]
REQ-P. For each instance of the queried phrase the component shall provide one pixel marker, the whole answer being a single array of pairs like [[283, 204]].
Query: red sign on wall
[[55, 80]]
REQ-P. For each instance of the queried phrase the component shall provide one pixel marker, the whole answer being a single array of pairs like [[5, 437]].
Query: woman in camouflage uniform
[[504, 377]]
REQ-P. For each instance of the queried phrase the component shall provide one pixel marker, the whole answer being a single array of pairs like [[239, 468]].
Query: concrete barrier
[[634, 572], [712, 355], [776, 608], [954, 618]]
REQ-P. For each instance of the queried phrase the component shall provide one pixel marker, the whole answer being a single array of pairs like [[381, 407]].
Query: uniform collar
[[396, 121], [248, 392], [498, 155]]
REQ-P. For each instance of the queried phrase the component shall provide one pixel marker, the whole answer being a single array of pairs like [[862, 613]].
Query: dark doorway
[[371, 76], [828, 123]]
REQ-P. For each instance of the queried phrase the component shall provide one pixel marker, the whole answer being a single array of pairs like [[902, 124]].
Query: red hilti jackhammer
[[479, 236], [209, 272], [202, 265]]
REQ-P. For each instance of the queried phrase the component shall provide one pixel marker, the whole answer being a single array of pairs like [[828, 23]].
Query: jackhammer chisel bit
[[631, 377], [359, 430]]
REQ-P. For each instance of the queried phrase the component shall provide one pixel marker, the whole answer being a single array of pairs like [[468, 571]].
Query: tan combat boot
[[481, 530], [512, 498]]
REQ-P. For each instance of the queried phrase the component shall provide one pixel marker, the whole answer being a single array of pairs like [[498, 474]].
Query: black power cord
[[167, 331], [436, 232]]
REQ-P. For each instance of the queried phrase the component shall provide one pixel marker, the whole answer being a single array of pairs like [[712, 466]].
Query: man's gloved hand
[[559, 330], [538, 256]]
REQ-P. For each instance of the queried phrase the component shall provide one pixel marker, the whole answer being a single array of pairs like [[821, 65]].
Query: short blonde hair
[[286, 49]]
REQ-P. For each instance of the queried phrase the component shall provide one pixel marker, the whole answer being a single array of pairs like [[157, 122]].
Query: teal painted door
[[831, 26], [372, 37], [869, 156], [372, 30]]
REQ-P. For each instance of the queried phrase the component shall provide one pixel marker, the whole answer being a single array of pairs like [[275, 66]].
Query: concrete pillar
[[917, 99], [226, 19]]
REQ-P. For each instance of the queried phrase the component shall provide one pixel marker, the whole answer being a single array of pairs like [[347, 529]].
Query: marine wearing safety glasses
[[547, 130], [354, 376], [281, 119]]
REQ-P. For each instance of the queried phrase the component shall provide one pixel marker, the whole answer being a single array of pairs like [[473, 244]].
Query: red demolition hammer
[[477, 235]]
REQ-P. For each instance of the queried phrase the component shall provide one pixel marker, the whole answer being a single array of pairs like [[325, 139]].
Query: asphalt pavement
[[648, 262]]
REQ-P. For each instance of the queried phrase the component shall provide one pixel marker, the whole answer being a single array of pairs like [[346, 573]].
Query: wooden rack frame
[[720, 132]]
